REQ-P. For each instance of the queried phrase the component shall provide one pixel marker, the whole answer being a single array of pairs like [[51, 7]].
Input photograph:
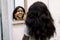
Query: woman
[[18, 13], [40, 24]]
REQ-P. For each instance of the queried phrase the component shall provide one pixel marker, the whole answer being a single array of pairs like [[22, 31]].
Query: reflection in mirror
[[19, 13]]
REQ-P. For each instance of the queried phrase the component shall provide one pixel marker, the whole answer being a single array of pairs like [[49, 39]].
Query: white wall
[[7, 8], [18, 31], [30, 2], [54, 6], [5, 20], [19, 3]]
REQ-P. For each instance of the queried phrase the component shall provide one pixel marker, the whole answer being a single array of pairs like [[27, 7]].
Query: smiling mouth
[[20, 15]]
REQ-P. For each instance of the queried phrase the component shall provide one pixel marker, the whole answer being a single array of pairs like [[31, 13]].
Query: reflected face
[[19, 13]]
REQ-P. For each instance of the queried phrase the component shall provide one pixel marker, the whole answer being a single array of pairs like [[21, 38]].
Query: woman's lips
[[20, 15]]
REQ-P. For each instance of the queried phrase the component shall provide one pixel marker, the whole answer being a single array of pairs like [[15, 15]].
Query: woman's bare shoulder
[[25, 37]]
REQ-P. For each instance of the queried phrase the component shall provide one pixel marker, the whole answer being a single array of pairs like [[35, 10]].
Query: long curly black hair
[[39, 22]]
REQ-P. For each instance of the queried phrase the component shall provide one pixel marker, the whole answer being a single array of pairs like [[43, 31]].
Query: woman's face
[[19, 13]]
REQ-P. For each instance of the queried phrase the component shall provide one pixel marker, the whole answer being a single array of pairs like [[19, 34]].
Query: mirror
[[19, 13]]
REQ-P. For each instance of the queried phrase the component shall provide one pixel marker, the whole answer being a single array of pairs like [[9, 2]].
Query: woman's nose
[[20, 12]]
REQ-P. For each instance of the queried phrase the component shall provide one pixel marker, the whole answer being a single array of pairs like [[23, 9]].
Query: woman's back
[[39, 22]]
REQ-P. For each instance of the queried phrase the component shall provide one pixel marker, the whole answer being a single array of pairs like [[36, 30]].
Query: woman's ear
[[25, 37]]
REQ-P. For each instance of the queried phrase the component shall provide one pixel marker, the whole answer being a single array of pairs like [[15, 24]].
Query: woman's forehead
[[20, 9]]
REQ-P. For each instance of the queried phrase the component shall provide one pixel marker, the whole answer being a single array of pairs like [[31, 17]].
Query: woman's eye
[[21, 11]]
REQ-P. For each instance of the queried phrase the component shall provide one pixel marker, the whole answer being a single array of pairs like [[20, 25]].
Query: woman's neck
[[19, 18]]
